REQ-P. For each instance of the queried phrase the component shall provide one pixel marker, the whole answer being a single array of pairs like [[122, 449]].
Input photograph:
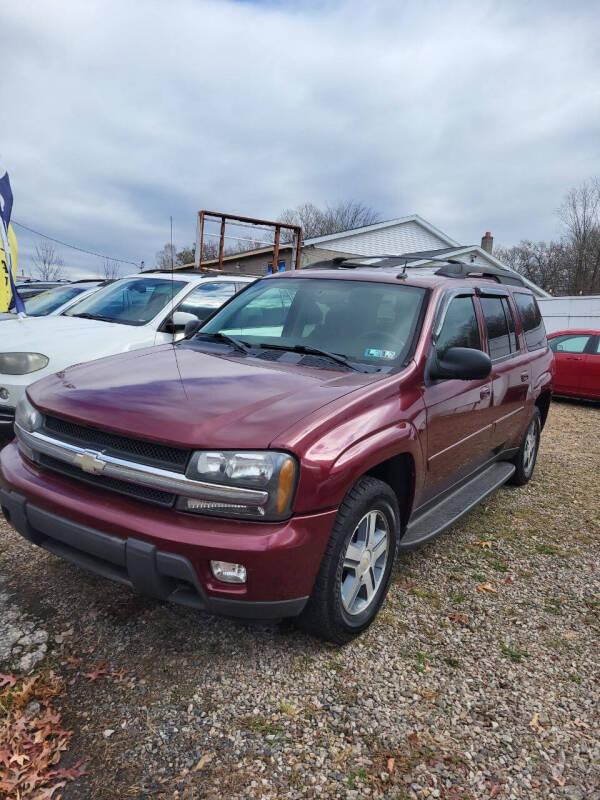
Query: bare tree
[[48, 264], [317, 221], [167, 257], [110, 269], [547, 264], [580, 215]]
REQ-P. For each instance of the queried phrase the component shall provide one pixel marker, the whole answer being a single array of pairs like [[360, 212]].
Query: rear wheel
[[527, 455], [355, 572]]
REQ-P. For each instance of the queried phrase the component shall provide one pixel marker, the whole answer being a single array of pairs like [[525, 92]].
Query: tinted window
[[460, 328], [499, 340], [598, 345], [368, 322], [205, 299], [569, 343], [533, 325], [130, 301], [514, 346]]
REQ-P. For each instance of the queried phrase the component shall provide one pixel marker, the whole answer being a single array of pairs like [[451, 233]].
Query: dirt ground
[[479, 679]]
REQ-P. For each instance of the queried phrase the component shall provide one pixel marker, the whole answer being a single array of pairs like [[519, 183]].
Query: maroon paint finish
[[578, 374], [281, 558], [338, 424]]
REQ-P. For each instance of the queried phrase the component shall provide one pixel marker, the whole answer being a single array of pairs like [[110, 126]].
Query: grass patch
[[500, 566], [553, 606], [452, 662], [514, 653], [259, 724]]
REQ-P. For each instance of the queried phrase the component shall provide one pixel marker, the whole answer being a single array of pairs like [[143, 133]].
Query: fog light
[[3, 393], [228, 572]]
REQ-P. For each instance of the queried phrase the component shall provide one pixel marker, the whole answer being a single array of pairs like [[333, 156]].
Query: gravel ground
[[479, 679]]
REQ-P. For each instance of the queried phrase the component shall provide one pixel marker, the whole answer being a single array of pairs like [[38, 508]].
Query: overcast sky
[[116, 114]]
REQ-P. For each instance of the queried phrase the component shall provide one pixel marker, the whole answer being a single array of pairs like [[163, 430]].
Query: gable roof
[[377, 226]]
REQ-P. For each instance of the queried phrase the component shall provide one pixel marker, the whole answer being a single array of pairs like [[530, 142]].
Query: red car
[[276, 461], [577, 358]]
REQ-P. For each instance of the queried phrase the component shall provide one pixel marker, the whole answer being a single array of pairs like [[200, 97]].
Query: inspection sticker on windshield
[[375, 352]]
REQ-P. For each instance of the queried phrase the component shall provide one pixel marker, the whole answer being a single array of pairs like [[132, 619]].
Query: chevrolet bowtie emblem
[[89, 462]]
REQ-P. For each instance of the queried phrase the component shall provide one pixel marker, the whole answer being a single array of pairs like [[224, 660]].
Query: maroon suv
[[274, 462]]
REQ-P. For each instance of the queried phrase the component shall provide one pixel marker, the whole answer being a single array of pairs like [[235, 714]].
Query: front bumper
[[164, 553]]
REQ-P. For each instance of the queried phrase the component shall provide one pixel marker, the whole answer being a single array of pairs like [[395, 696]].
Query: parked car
[[274, 464], [55, 301], [137, 311], [29, 289], [577, 358]]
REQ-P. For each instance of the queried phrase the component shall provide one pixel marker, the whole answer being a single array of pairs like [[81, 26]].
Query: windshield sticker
[[374, 352]]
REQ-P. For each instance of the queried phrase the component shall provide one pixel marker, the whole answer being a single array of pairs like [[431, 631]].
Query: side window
[[206, 298], [597, 350], [514, 345], [569, 344], [498, 334], [533, 324], [460, 328]]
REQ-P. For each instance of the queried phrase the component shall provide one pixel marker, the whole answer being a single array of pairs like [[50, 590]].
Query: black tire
[[524, 461], [325, 616]]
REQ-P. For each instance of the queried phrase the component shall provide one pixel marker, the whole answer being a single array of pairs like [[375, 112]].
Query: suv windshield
[[130, 301], [363, 321], [49, 301]]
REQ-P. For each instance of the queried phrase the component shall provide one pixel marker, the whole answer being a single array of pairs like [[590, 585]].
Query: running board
[[452, 507]]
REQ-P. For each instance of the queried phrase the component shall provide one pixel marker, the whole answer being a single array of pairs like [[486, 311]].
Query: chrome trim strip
[[510, 414], [139, 473]]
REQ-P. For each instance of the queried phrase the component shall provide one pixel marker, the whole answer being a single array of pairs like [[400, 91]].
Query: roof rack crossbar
[[453, 267]]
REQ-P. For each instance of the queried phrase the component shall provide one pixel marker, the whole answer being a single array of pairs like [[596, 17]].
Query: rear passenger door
[[511, 373]]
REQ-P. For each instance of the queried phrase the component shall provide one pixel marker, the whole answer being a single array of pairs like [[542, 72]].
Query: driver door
[[458, 412], [201, 302]]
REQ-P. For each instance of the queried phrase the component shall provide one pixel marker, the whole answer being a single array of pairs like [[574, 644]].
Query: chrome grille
[[139, 450], [104, 482]]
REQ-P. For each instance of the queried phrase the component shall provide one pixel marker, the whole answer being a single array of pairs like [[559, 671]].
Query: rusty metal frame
[[224, 218]]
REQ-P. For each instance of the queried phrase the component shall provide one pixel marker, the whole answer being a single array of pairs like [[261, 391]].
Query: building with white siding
[[411, 236]]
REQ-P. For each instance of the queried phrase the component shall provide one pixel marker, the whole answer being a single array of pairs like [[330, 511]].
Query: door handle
[[574, 358], [485, 392], [524, 377]]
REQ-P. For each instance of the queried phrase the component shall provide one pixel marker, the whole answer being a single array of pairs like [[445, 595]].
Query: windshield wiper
[[240, 346], [85, 315], [316, 351]]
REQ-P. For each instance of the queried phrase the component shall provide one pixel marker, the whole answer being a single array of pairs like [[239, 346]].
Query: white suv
[[137, 311]]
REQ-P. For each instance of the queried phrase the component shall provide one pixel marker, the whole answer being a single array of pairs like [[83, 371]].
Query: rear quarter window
[[531, 317]]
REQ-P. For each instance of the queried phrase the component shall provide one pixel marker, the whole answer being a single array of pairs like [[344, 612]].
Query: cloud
[[476, 115]]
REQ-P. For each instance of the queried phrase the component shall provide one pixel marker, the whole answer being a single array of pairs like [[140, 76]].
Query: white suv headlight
[[22, 363], [272, 473], [27, 416]]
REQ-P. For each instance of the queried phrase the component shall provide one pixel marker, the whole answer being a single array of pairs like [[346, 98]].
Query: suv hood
[[187, 398]]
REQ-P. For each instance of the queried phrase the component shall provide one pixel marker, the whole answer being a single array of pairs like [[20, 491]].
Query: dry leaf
[[580, 723], [534, 722], [458, 618], [390, 765], [100, 669], [483, 543], [559, 780], [206, 759], [7, 680], [486, 587]]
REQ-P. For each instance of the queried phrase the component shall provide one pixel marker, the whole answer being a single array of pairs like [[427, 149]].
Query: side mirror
[[178, 321], [192, 327], [461, 363]]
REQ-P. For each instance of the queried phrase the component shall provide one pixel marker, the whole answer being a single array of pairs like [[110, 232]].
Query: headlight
[[270, 472], [27, 416], [22, 363]]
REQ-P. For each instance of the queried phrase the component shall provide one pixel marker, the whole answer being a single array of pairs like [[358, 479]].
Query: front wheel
[[355, 572], [527, 455]]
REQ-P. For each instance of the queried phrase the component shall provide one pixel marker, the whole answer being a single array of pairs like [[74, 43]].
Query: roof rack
[[452, 267]]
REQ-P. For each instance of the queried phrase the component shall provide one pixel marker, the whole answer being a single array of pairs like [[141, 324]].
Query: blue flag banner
[[6, 204]]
